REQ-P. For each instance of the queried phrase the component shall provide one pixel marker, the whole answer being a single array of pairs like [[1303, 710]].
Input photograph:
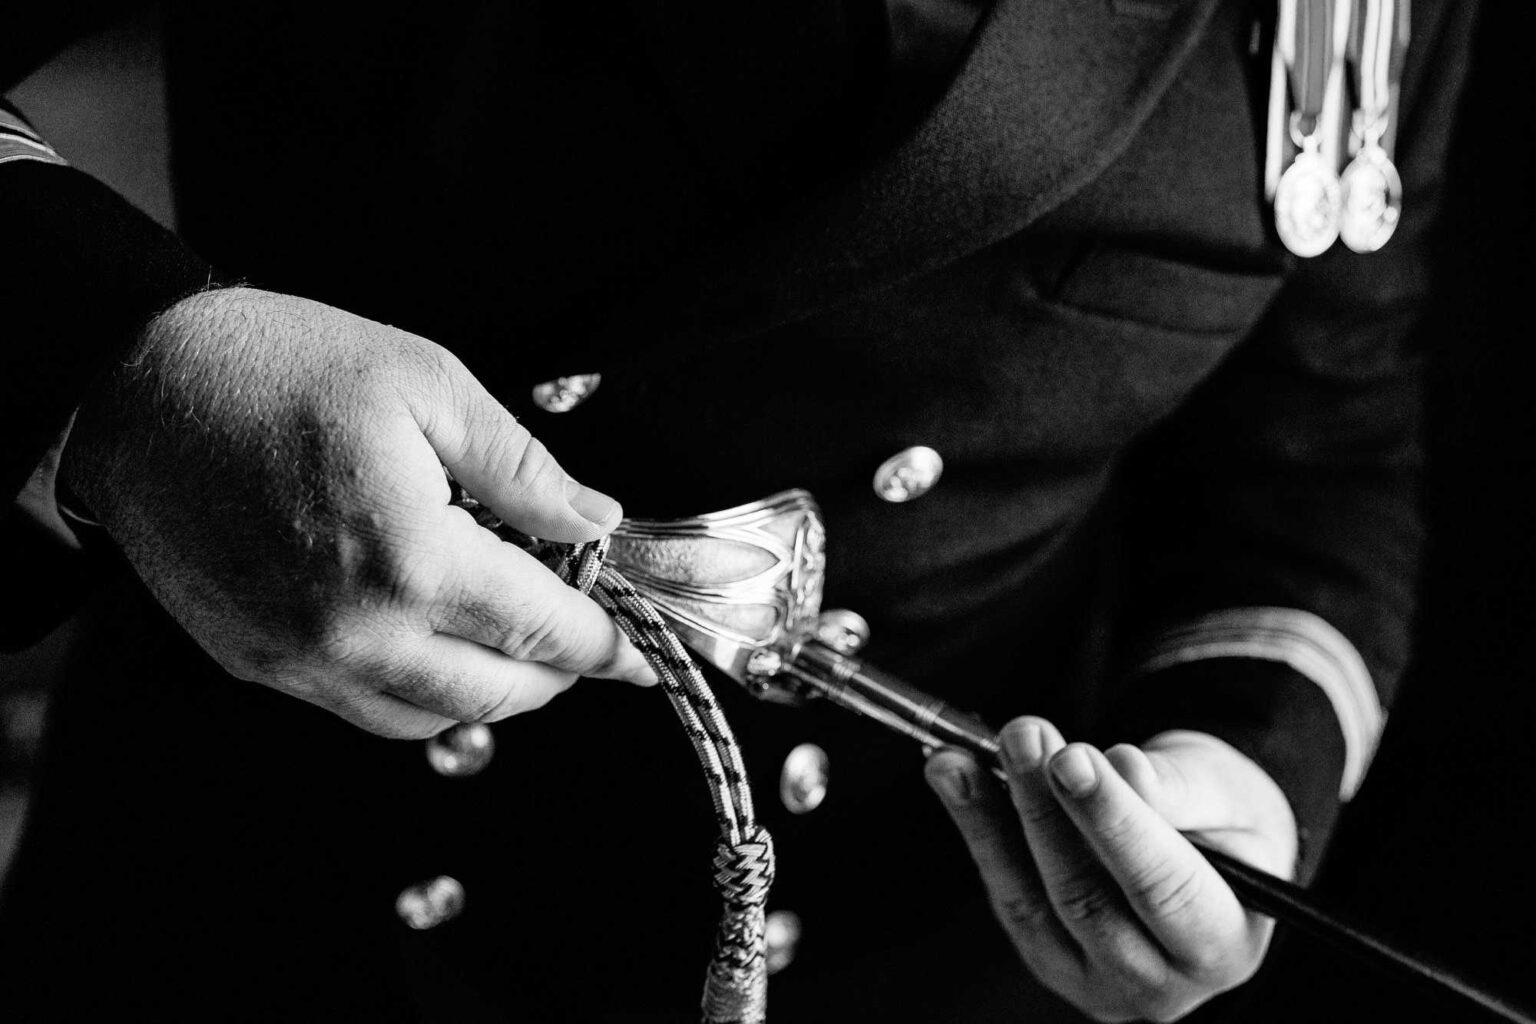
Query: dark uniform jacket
[[1050, 260]]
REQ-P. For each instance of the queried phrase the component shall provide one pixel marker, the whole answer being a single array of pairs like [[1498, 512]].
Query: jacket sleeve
[[1272, 526], [81, 272]]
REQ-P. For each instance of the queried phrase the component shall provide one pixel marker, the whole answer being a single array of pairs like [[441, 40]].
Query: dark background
[[1439, 844]]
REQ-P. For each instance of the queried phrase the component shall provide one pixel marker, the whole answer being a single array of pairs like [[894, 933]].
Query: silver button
[[462, 750], [431, 903], [781, 934], [803, 779], [845, 631], [565, 393], [908, 474]]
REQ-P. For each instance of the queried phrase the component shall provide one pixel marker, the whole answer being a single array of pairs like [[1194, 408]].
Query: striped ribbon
[[19, 142]]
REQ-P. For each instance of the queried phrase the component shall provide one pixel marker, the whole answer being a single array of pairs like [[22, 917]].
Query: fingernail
[[1023, 745], [593, 506], [952, 778], [1074, 771]]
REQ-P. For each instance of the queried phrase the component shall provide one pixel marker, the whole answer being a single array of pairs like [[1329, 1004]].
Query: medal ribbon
[[1305, 38], [1377, 49]]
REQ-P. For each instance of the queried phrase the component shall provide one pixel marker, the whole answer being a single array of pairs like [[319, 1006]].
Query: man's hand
[[272, 467], [1106, 902]]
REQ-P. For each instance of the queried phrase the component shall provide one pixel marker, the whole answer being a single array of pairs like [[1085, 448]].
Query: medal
[[1372, 200], [1307, 204], [1310, 39], [1372, 190]]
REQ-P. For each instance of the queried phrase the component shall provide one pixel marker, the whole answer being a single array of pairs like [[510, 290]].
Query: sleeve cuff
[[1307, 645], [19, 142], [81, 272], [39, 499]]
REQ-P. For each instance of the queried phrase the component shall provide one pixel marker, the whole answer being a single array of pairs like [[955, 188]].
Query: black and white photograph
[[913, 511]]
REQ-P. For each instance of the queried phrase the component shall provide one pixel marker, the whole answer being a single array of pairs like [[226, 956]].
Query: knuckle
[[275, 658], [535, 464], [403, 729], [344, 642], [1036, 814], [370, 711], [299, 649], [1121, 830], [1019, 913], [453, 693], [413, 576], [515, 698], [492, 707], [979, 830], [335, 642], [257, 660], [1168, 892], [532, 638], [596, 655], [464, 698], [1083, 901], [510, 448]]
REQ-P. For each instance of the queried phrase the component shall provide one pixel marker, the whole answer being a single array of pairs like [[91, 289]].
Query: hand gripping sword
[[742, 588]]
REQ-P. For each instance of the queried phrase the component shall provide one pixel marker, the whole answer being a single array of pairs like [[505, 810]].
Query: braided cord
[[736, 984]]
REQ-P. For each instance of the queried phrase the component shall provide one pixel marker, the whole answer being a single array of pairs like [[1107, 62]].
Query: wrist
[[120, 413], [92, 272]]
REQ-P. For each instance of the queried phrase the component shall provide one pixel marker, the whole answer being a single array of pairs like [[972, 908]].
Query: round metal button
[[845, 631], [565, 393], [781, 935], [431, 903], [908, 474], [462, 750], [803, 779]]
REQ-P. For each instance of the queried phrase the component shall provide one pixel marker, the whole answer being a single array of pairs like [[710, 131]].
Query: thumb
[[1195, 781], [508, 469], [1206, 785], [1175, 780]]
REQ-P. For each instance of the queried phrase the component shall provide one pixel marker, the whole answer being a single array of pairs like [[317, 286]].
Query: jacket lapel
[[1049, 94]]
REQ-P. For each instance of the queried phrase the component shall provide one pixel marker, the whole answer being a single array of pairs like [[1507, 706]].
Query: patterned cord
[[736, 985]]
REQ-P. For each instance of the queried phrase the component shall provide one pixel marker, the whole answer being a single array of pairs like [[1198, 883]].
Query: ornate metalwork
[[731, 583]]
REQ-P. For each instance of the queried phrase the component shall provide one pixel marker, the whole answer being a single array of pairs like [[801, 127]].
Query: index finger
[[1174, 890], [502, 597], [982, 814]]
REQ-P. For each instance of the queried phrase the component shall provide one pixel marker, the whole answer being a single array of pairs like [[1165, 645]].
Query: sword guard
[[738, 586]]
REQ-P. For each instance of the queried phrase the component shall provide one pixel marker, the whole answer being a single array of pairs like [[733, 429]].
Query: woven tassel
[[736, 985]]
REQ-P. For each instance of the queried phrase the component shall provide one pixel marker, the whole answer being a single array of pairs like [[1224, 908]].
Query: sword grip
[[852, 684]]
